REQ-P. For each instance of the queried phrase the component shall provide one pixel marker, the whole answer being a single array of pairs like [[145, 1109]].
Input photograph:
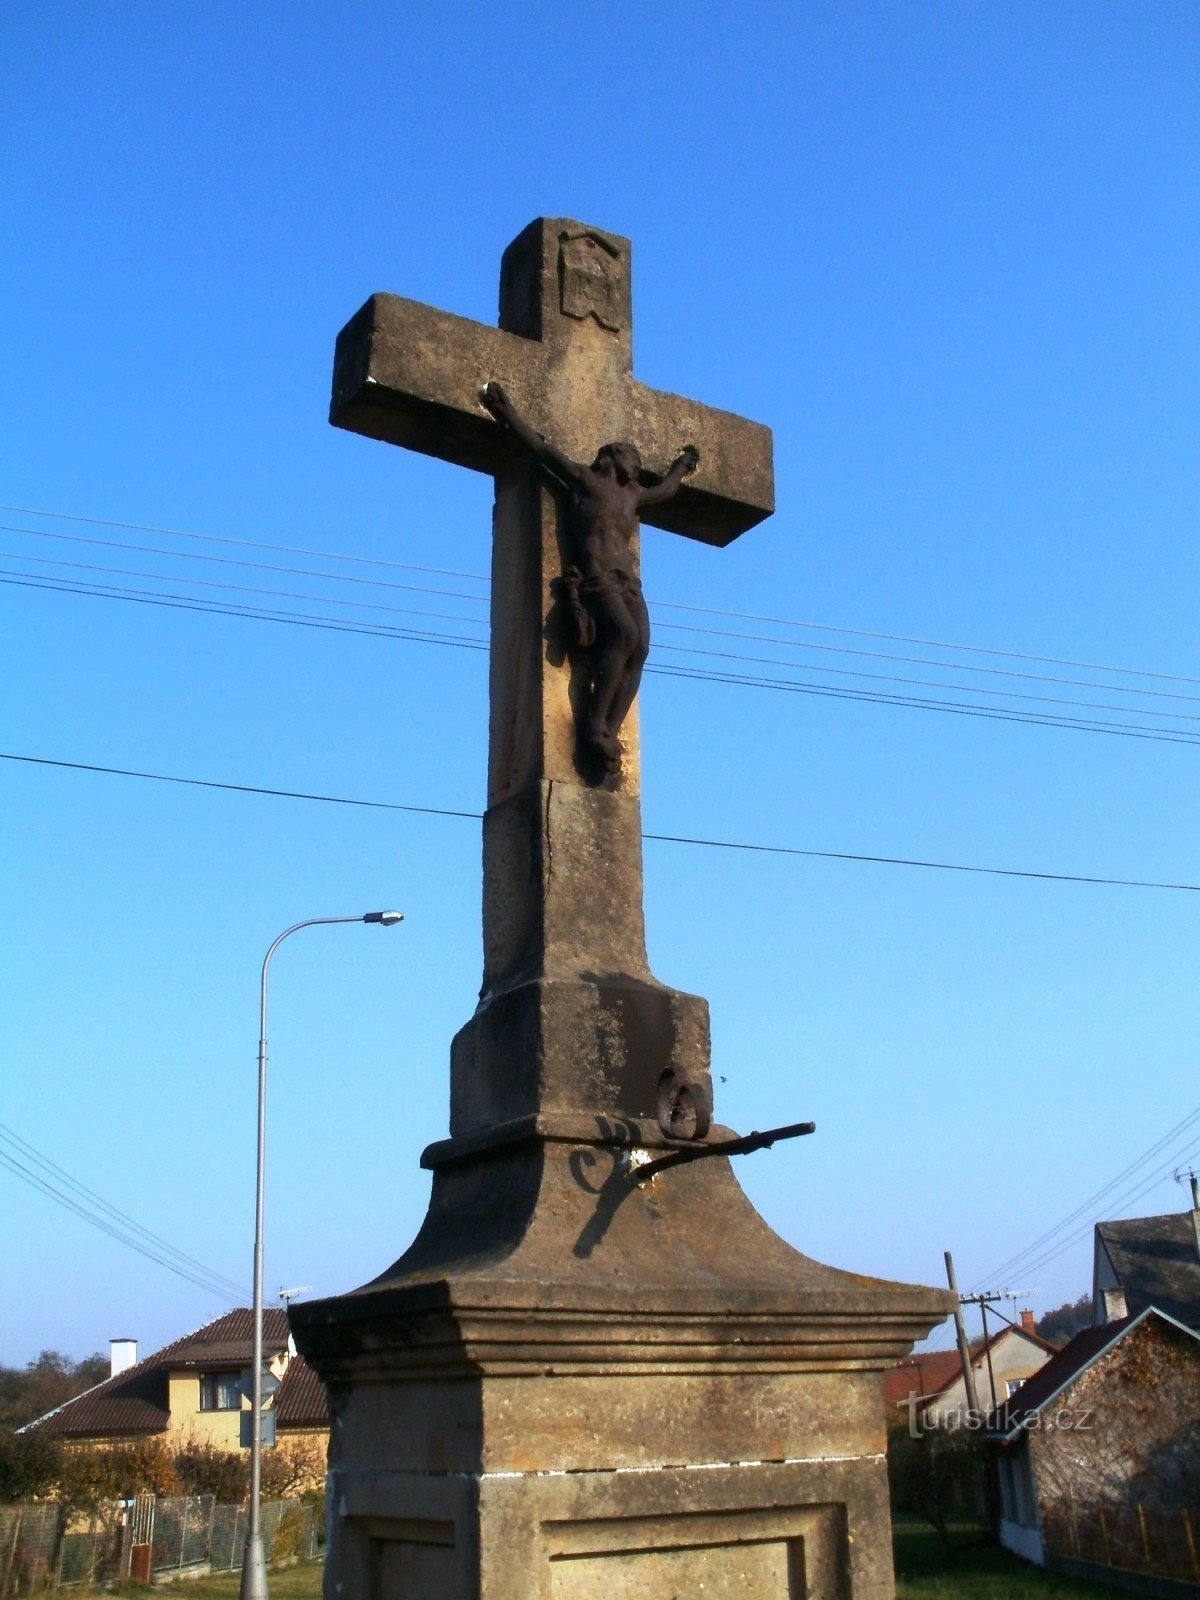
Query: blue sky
[[948, 253]]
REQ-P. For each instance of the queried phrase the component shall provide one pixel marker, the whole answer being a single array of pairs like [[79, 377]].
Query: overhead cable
[[1121, 1203], [655, 606], [865, 633], [659, 838], [1087, 1206], [59, 1175], [679, 649], [213, 1285], [415, 635]]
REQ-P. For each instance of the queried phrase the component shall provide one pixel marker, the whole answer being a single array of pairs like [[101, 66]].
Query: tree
[[29, 1464], [296, 1467], [937, 1473], [93, 1476], [205, 1468], [51, 1380], [1065, 1321]]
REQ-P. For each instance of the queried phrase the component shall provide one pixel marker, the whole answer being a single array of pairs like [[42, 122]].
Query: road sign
[[267, 1419], [245, 1384]]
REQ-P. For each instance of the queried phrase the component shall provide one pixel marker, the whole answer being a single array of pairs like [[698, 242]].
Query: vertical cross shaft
[[570, 1019]]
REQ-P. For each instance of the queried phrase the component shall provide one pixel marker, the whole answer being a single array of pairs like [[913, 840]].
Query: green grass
[[975, 1571], [301, 1582]]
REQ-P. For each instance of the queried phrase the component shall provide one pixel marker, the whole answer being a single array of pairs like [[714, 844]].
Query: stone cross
[[570, 1021]]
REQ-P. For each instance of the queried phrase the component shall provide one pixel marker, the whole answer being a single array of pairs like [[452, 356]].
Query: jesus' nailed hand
[[612, 623]]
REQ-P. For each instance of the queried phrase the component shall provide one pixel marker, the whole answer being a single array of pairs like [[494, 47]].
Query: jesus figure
[[611, 623]]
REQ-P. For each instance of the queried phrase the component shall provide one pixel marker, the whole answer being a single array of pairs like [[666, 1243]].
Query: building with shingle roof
[[1098, 1454], [1148, 1261], [930, 1383], [189, 1390]]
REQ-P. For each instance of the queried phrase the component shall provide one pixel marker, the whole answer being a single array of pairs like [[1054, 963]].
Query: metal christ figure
[[609, 616]]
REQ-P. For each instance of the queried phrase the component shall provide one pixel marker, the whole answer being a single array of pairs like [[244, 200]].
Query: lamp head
[[386, 919]]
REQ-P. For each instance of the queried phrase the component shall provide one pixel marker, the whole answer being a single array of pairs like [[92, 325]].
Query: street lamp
[[254, 1566]]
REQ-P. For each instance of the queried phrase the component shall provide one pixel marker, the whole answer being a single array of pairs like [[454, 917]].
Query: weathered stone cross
[[570, 1020]]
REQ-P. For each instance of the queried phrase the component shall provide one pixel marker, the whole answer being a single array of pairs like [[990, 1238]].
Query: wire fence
[[45, 1548], [1126, 1537]]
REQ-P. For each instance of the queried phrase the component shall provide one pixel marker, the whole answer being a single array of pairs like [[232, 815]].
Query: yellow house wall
[[220, 1428], [188, 1422]]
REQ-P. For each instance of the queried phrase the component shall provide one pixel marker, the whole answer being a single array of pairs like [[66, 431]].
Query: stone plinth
[[575, 1385]]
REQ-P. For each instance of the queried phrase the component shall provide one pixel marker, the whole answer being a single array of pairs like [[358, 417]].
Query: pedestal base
[[575, 1386], [751, 1531]]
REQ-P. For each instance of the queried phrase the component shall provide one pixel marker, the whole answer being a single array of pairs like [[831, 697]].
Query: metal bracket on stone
[[726, 1147], [684, 1108]]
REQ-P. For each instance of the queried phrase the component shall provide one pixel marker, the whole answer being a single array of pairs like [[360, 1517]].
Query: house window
[[218, 1392]]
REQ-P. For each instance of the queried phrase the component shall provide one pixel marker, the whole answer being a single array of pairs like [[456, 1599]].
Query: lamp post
[[254, 1566]]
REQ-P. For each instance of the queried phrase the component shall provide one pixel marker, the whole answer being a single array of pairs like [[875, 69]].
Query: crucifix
[[570, 1020], [592, 1309]]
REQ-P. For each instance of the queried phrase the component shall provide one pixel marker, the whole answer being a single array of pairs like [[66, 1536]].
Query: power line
[[659, 838], [61, 1176], [960, 708], [724, 633], [251, 566], [245, 788], [1160, 1175], [246, 544], [250, 613], [81, 585], [1085, 1206], [936, 644], [745, 616], [925, 661], [277, 594], [794, 686], [214, 1286], [933, 683]]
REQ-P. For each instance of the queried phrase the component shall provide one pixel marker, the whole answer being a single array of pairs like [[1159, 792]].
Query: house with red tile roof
[[931, 1385], [1098, 1454]]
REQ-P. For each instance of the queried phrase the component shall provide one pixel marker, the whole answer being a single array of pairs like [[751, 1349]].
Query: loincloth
[[602, 584]]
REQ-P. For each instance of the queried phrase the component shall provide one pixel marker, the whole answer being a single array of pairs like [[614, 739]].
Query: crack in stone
[[549, 841]]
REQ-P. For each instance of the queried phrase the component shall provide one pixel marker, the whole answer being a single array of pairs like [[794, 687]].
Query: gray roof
[[1157, 1264]]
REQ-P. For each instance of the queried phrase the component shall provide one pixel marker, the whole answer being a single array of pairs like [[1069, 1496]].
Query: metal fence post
[[16, 1534], [1191, 1542], [55, 1569], [212, 1522]]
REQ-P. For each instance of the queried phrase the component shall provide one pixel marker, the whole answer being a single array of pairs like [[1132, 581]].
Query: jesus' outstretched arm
[[683, 465], [502, 408]]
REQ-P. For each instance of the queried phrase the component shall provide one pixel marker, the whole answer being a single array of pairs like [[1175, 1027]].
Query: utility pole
[[987, 1349], [964, 1348], [983, 1300]]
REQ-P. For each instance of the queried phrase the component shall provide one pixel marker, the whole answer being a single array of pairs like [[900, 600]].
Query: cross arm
[[731, 490], [410, 375]]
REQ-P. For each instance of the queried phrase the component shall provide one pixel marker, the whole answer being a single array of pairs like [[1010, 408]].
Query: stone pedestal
[[576, 1385]]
